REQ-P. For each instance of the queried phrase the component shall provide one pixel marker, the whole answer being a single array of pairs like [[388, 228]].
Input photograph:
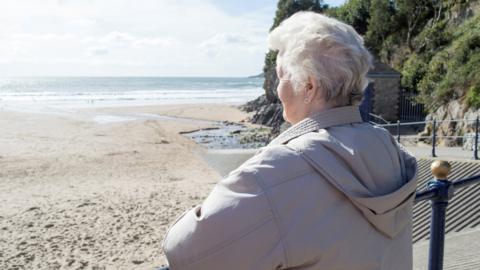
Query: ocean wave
[[130, 95], [82, 92]]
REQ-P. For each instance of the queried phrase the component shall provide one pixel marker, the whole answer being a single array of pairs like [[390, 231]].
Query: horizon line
[[125, 76]]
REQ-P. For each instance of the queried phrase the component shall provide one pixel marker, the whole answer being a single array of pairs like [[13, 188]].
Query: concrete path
[[462, 252], [227, 160], [450, 153]]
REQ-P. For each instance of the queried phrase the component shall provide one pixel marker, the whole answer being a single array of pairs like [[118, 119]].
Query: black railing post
[[475, 148], [439, 203], [398, 130], [434, 137]]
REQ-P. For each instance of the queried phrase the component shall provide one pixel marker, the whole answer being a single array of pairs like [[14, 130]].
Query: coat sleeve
[[233, 229]]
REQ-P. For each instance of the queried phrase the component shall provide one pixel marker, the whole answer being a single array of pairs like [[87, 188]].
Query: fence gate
[[409, 109]]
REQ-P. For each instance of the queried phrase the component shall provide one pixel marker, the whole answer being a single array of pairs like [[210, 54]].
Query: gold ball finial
[[440, 169]]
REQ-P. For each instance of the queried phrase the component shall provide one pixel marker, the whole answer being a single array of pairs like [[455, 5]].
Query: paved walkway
[[226, 160], [229, 159], [450, 153], [462, 251]]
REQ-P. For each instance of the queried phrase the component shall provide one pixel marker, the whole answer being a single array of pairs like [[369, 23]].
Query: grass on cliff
[[446, 65]]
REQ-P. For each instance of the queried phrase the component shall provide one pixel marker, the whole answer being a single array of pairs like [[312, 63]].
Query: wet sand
[[97, 189]]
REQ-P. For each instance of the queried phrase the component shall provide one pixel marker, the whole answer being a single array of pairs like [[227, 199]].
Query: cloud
[[123, 38], [224, 43], [227, 39], [198, 42], [81, 23], [117, 37], [96, 51], [88, 39], [156, 42], [17, 48], [44, 37]]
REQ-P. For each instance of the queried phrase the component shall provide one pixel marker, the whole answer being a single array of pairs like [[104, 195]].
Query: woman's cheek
[[279, 91], [284, 92], [285, 98]]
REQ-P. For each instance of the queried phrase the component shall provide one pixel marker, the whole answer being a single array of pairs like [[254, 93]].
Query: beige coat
[[329, 193]]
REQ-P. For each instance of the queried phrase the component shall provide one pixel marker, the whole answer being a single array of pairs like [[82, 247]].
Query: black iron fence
[[409, 109]]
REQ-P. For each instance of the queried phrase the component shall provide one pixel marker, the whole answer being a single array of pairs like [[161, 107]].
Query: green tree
[[355, 13], [286, 8], [414, 15], [413, 72], [380, 23]]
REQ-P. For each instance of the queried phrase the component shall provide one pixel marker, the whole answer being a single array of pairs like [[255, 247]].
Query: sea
[[32, 93]]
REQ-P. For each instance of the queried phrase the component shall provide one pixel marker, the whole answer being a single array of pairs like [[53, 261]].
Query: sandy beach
[[98, 188]]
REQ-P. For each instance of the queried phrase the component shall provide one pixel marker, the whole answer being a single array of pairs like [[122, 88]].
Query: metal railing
[[376, 119], [434, 136], [439, 191]]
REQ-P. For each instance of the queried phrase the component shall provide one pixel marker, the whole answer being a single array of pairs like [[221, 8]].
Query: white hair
[[329, 51]]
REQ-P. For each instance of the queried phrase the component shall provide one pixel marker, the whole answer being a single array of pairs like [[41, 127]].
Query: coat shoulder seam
[[275, 218]]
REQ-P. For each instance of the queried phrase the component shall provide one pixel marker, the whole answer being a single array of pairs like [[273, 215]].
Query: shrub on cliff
[[413, 71], [453, 71]]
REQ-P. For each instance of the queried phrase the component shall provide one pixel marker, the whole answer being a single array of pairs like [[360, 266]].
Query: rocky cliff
[[267, 108], [454, 120]]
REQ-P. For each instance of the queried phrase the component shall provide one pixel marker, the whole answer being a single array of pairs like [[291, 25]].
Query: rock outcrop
[[266, 113], [268, 110], [454, 120]]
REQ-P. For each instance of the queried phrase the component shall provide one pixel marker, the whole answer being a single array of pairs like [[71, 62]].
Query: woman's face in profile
[[292, 102]]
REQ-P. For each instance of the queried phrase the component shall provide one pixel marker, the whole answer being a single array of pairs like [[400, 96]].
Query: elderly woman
[[331, 192]]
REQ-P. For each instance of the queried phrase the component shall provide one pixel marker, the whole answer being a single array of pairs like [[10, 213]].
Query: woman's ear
[[311, 92]]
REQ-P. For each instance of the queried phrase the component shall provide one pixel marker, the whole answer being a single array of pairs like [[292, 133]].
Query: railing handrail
[[434, 135], [379, 118], [430, 193], [423, 122]]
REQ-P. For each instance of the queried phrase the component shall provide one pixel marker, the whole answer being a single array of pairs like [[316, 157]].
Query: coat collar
[[332, 117]]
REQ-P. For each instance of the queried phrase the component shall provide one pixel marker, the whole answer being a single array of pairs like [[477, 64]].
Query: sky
[[220, 38]]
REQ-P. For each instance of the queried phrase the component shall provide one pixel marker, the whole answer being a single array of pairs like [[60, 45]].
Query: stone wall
[[386, 97]]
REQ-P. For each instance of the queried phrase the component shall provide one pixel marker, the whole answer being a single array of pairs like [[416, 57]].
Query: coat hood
[[353, 169], [389, 212]]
